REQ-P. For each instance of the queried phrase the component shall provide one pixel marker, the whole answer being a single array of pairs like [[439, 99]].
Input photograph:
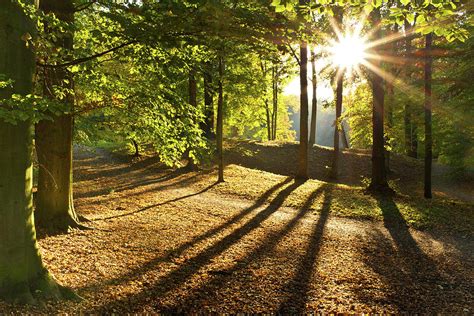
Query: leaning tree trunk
[[314, 100], [379, 176], [302, 172], [220, 122], [54, 200], [22, 273], [428, 105]]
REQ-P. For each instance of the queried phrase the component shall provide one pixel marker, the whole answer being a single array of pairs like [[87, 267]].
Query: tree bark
[[208, 126], [337, 125], [314, 100], [379, 176], [192, 95], [22, 273], [220, 122], [303, 147], [275, 101], [411, 135], [428, 106], [54, 200]]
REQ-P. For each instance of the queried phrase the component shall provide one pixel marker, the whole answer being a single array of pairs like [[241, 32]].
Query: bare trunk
[[302, 172], [428, 105], [275, 102], [379, 177], [220, 122], [337, 126], [411, 135], [208, 126], [314, 100]]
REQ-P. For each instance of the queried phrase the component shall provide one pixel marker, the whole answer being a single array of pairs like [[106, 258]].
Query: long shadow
[[179, 276], [299, 286], [157, 204], [414, 278], [127, 185], [182, 248], [221, 279]]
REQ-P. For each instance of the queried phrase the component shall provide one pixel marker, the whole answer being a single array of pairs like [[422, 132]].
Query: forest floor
[[174, 241]]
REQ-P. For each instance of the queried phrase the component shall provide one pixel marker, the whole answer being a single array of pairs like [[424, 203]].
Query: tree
[[54, 200], [314, 100], [22, 273], [220, 121], [379, 176], [428, 133]]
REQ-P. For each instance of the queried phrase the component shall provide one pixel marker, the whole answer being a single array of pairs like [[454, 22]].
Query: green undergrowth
[[346, 201]]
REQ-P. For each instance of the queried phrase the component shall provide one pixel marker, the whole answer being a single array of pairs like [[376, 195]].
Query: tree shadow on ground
[[295, 290], [214, 231], [157, 204], [179, 276], [412, 280]]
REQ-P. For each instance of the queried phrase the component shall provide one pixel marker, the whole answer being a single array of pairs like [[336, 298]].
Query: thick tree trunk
[[379, 176], [314, 100], [428, 105], [54, 200], [337, 125], [22, 274], [208, 126], [220, 122], [302, 172]]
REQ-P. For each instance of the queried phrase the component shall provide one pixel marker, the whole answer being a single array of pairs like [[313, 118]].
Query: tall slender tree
[[379, 176], [428, 105], [220, 121], [339, 96], [22, 273], [208, 125], [410, 126], [314, 100]]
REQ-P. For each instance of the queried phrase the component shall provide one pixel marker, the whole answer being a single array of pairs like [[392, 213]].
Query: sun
[[348, 52]]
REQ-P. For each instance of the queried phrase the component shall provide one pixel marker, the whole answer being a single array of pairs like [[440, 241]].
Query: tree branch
[[84, 59], [294, 54]]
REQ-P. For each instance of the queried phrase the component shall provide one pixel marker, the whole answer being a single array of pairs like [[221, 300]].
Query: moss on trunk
[[23, 278]]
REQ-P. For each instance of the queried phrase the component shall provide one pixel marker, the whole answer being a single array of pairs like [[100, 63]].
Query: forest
[[224, 157]]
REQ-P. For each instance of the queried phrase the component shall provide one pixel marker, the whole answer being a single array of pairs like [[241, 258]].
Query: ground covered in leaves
[[170, 240]]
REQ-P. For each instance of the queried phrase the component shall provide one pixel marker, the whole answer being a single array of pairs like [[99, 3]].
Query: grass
[[349, 201]]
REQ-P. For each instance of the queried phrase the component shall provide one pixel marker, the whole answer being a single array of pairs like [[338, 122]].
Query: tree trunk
[[22, 273], [428, 105], [302, 172], [411, 135], [220, 122], [379, 177], [337, 125], [275, 101], [269, 120], [192, 94], [137, 149], [208, 126], [54, 199], [314, 100]]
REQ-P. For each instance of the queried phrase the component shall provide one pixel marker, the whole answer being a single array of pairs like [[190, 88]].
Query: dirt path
[[164, 242]]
